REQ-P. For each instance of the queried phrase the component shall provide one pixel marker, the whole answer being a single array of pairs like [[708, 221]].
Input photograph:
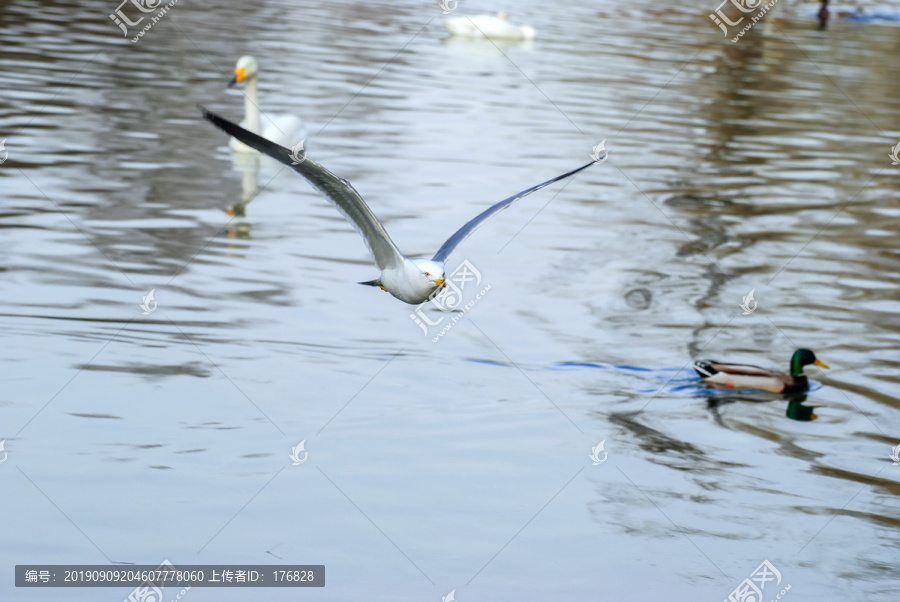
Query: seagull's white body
[[406, 281], [410, 280], [494, 27], [284, 130]]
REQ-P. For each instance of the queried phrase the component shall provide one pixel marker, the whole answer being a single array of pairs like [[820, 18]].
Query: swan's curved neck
[[251, 106]]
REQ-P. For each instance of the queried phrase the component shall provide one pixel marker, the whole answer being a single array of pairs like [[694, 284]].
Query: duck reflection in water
[[795, 410]]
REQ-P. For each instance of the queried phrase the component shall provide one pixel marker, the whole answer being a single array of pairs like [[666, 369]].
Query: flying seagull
[[410, 280]]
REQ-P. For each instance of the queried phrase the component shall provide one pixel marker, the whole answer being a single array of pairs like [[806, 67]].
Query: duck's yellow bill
[[820, 364]]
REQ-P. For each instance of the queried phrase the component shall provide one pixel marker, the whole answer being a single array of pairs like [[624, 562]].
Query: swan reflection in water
[[248, 166]]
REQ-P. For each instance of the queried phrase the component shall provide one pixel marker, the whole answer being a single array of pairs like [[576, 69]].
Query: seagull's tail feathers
[[375, 282]]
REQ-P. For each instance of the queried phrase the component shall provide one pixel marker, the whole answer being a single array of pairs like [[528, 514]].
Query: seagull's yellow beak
[[820, 364], [239, 75], [439, 281]]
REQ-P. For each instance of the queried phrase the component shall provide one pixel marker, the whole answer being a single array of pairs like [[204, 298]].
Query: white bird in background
[[410, 280], [285, 130], [494, 27]]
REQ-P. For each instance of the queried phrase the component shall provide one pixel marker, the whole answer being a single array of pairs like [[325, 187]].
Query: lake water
[[462, 464]]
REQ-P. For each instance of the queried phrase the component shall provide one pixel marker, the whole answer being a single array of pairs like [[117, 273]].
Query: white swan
[[286, 130], [495, 27]]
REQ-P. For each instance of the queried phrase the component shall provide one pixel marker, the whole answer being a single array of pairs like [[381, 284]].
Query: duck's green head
[[804, 357]]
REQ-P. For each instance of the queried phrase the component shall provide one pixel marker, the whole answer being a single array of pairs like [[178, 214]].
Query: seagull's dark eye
[[427, 274]]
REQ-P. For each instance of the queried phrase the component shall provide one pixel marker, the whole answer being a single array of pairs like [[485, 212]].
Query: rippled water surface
[[463, 463]]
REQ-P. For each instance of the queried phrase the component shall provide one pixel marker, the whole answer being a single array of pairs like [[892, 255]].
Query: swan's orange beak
[[820, 364], [238, 76]]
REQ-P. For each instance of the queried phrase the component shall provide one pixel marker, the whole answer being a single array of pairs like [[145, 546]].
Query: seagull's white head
[[245, 69], [414, 281], [432, 272]]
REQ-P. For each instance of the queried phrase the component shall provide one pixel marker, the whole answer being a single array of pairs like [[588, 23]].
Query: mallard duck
[[754, 377]]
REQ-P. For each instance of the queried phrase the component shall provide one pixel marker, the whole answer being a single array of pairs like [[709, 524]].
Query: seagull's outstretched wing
[[464, 232], [335, 189]]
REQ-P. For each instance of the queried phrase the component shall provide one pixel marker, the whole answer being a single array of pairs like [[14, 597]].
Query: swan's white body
[[410, 280], [494, 27], [284, 130]]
